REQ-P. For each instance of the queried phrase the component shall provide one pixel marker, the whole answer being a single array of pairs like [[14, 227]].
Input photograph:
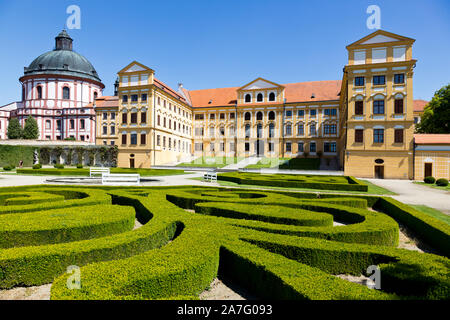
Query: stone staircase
[[243, 163]]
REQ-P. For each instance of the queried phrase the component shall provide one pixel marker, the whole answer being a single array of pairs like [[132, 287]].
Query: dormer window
[[259, 97], [248, 98], [272, 96]]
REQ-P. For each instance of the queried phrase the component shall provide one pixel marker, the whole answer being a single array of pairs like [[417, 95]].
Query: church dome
[[63, 61]]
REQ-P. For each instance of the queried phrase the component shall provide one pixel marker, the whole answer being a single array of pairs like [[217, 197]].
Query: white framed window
[[378, 55], [359, 57]]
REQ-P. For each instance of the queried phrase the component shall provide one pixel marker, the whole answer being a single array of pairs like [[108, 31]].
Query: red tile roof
[[294, 92], [419, 105], [432, 138], [168, 90], [322, 90], [105, 101], [213, 97]]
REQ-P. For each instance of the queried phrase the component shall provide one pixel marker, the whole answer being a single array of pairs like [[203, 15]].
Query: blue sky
[[209, 43]]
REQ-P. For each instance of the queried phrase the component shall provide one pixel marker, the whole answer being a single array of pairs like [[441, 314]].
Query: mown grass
[[85, 171], [432, 212], [267, 163], [287, 163], [447, 188], [211, 162]]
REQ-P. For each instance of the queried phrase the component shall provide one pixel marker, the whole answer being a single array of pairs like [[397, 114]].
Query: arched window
[[247, 116], [23, 93], [66, 93], [271, 115], [39, 92], [272, 96], [259, 115], [248, 97], [271, 130], [95, 95], [259, 97]]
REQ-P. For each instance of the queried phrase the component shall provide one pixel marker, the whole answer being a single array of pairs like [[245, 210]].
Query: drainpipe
[[414, 158], [282, 127], [235, 132], [154, 142]]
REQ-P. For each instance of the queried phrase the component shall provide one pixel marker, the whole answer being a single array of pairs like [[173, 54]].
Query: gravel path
[[411, 193]]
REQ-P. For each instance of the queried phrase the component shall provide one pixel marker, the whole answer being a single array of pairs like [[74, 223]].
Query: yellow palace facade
[[363, 123]]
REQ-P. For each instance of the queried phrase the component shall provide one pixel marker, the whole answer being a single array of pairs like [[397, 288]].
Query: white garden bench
[[121, 179], [210, 176], [98, 171]]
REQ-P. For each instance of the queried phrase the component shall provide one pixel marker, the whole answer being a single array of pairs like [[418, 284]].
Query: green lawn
[[71, 171], [447, 188], [372, 189], [432, 212], [287, 163], [211, 162], [267, 163]]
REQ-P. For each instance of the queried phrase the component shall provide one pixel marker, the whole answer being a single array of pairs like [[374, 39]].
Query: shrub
[[13, 154], [31, 129], [9, 168], [295, 181], [59, 166], [52, 226], [442, 182], [79, 166], [429, 180], [37, 166]]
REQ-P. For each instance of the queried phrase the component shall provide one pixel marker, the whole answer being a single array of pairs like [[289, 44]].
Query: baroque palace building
[[363, 124], [56, 88]]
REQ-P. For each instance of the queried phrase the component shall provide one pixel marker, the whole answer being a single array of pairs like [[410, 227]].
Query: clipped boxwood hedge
[[64, 225], [295, 181], [279, 245]]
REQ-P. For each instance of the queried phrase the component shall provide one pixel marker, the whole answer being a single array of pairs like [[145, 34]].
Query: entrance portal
[[379, 172], [428, 170]]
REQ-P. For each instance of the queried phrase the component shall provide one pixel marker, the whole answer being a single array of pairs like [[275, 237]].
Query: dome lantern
[[63, 41]]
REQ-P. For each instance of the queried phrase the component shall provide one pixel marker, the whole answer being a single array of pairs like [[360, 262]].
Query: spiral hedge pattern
[[278, 245]]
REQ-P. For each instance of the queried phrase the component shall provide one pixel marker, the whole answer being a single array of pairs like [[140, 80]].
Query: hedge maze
[[278, 245]]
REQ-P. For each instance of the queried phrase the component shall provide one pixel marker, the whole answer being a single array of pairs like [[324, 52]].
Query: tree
[[14, 129], [31, 129], [436, 116]]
